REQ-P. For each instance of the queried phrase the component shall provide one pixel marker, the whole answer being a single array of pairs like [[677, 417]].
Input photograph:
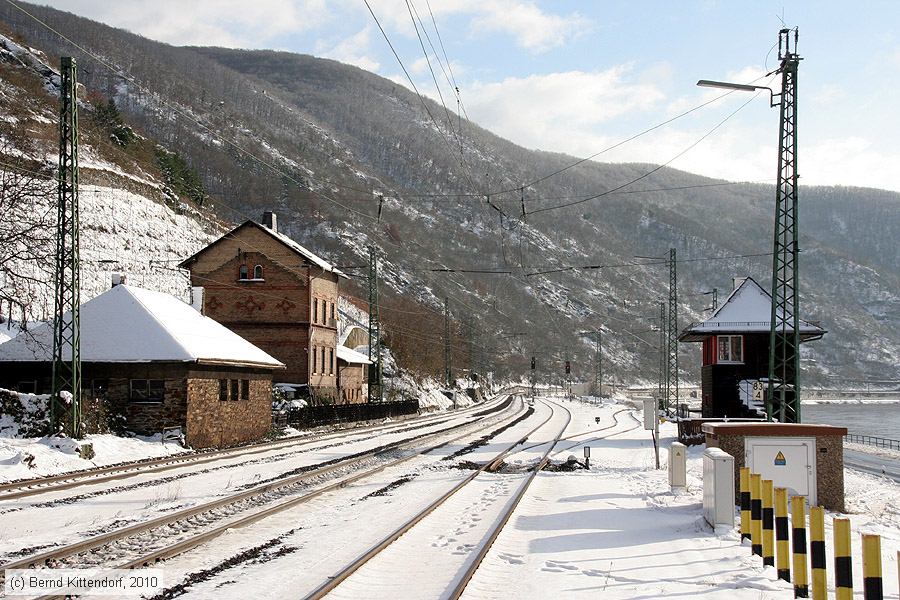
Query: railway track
[[172, 534], [458, 579], [492, 465], [41, 485]]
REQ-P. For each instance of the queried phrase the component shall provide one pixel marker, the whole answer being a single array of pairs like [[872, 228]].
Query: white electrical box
[[650, 413], [677, 466], [790, 462], [718, 488]]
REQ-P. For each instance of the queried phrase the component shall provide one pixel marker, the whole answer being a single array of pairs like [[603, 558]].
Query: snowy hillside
[[349, 159]]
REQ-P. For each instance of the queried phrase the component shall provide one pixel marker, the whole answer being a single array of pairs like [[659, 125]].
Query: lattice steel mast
[[376, 390], [671, 395], [783, 398], [448, 355], [65, 412]]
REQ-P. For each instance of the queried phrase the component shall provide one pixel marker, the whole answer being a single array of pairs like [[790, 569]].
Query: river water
[[882, 420]]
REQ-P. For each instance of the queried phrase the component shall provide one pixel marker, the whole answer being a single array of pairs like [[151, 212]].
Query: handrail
[[872, 440]]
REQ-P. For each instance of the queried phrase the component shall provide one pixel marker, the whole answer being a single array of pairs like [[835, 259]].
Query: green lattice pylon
[[65, 398], [783, 397]]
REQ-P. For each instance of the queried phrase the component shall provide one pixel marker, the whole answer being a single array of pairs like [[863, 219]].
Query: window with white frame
[[730, 349]]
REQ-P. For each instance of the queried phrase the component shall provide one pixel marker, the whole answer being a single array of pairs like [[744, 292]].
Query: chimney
[[118, 279], [737, 281], [270, 220]]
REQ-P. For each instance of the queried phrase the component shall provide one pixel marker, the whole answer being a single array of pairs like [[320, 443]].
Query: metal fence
[[313, 416], [871, 440]]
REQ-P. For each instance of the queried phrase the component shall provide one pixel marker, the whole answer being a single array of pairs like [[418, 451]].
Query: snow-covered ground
[[613, 531], [24, 458]]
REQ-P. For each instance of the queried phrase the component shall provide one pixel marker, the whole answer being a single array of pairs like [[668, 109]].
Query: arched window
[[243, 272], [257, 272]]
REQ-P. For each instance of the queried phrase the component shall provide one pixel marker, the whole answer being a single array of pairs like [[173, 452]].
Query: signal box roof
[[748, 309]]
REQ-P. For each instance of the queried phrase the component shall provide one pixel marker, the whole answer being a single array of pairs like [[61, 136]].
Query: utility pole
[[598, 362], [662, 351], [671, 352], [533, 374], [65, 411], [376, 389], [783, 397], [448, 357]]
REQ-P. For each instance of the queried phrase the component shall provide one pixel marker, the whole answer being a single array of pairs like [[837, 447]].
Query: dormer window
[[243, 274], [257, 272], [730, 349]]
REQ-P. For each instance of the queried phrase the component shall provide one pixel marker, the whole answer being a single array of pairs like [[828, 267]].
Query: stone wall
[[213, 422], [144, 418], [353, 383]]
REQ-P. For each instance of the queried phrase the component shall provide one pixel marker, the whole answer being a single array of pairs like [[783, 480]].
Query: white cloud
[[352, 50], [558, 111], [230, 23], [531, 27]]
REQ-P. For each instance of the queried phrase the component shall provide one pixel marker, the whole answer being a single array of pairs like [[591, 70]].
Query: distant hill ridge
[[342, 137]]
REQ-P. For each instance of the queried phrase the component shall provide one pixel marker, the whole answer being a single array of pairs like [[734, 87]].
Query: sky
[[579, 77]]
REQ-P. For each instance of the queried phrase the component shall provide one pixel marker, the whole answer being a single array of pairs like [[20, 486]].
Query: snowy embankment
[[24, 455]]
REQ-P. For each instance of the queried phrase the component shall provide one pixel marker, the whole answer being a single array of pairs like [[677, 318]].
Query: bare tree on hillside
[[27, 222]]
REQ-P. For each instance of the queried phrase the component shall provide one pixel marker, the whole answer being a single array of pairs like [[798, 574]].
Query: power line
[[651, 171]]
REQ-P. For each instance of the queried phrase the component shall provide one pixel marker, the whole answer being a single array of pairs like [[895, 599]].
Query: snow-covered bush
[[23, 415]]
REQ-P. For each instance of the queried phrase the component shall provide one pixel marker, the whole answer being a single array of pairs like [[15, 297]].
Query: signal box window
[[730, 349]]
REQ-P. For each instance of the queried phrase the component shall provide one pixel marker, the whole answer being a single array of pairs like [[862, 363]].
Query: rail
[[185, 514], [871, 440]]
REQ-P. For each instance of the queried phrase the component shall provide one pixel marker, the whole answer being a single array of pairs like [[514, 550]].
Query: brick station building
[[155, 361], [275, 293]]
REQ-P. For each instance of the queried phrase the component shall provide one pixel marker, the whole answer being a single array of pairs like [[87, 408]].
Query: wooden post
[[756, 514], [745, 504], [768, 523], [843, 563], [817, 552], [873, 588], [798, 522], [782, 546]]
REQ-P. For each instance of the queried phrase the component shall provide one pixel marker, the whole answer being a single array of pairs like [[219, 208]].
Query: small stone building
[[275, 293], [353, 376], [827, 448], [736, 350], [153, 360]]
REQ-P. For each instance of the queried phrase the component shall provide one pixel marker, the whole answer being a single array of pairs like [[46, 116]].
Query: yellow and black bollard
[[756, 514], [817, 552], [745, 503], [798, 521], [873, 588], [782, 547], [843, 565], [768, 523]]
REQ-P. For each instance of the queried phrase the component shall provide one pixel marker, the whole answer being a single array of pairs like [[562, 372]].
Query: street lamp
[[783, 397], [739, 87]]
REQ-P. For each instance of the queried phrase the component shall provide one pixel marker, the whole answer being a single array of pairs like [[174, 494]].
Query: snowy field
[[613, 531]]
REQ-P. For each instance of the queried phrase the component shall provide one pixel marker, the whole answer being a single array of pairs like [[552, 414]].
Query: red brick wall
[[276, 314]]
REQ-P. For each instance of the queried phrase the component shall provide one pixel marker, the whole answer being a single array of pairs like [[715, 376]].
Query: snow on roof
[[127, 324], [352, 356], [307, 254], [315, 259], [747, 309]]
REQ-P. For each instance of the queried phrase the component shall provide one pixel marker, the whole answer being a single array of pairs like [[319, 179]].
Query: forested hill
[[321, 142]]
